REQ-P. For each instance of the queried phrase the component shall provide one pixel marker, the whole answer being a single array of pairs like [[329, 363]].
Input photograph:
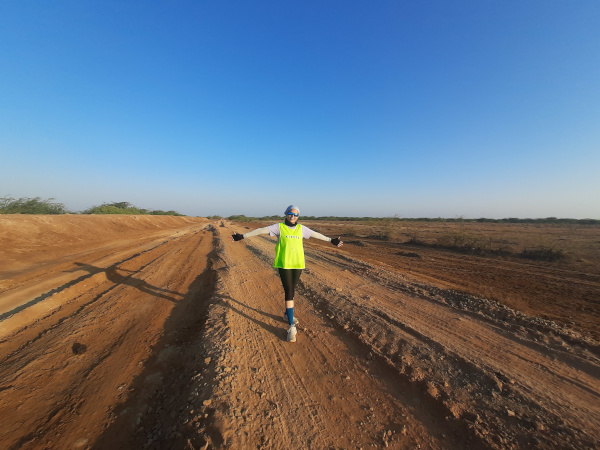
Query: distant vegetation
[[9, 205], [127, 208], [37, 205], [463, 242], [379, 220]]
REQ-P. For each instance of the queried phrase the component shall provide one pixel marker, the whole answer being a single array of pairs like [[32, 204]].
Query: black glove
[[237, 237], [336, 241]]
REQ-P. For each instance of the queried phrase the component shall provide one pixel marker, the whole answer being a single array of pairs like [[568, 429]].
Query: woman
[[289, 256]]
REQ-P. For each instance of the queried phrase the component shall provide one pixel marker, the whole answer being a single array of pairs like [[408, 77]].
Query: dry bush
[[461, 240], [543, 253]]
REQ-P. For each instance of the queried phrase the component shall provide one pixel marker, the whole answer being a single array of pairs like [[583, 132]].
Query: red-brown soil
[[160, 332]]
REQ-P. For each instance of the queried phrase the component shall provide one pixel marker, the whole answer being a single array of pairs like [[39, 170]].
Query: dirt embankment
[[168, 335], [29, 240]]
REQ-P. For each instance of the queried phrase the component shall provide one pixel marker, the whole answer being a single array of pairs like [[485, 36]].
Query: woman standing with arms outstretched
[[289, 257]]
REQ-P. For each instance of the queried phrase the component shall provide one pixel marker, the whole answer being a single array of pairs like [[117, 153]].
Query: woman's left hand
[[337, 242]]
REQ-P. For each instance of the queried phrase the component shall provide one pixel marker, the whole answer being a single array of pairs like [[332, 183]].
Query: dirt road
[[173, 337]]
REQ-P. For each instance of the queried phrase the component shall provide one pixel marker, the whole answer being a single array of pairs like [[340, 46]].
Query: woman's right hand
[[237, 237]]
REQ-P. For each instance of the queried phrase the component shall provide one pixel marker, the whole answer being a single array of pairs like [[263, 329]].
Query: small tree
[[126, 208], [37, 205]]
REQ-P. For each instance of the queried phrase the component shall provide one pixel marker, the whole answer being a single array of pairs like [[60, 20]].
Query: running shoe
[[292, 334], [286, 320]]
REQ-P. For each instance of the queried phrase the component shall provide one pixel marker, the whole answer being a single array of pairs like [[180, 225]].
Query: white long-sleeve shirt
[[273, 230]]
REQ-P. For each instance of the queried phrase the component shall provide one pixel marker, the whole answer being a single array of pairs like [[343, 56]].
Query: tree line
[[37, 205], [549, 220]]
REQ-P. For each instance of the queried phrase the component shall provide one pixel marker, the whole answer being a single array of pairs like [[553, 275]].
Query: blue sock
[[290, 314]]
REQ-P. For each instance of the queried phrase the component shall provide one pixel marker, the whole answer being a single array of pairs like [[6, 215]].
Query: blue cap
[[289, 208]]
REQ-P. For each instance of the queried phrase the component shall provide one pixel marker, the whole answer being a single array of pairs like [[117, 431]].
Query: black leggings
[[289, 279]]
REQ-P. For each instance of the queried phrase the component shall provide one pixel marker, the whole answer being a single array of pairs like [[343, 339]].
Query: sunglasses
[[293, 214]]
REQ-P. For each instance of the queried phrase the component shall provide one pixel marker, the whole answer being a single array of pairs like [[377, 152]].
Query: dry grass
[[573, 243]]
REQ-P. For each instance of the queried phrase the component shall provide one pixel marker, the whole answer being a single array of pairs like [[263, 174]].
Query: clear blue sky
[[348, 108]]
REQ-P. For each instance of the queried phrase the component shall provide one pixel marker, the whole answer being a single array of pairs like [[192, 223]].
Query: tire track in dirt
[[66, 370], [533, 288], [182, 345], [568, 394], [55, 276], [509, 383], [430, 417], [319, 392]]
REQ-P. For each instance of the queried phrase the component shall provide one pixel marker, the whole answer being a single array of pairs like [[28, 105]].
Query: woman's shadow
[[276, 331], [112, 274]]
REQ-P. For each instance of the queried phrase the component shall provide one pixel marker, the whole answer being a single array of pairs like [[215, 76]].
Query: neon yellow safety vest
[[289, 252]]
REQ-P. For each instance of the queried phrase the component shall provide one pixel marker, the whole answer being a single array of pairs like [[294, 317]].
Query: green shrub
[[158, 212], [126, 208], [115, 208], [241, 218], [9, 205]]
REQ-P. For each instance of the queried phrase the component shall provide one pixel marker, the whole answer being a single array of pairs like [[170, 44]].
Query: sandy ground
[[159, 332]]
